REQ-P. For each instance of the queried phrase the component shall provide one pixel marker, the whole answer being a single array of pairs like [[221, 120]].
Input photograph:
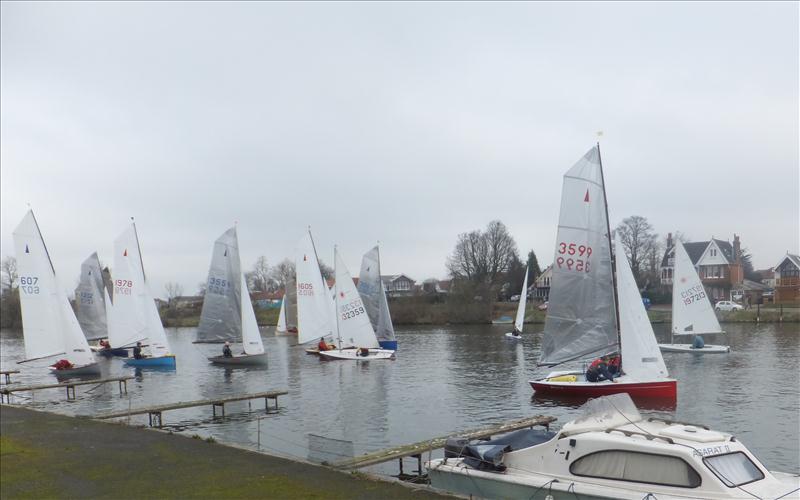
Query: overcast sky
[[407, 123]]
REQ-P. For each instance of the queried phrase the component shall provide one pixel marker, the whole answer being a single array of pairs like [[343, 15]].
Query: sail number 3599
[[578, 263]]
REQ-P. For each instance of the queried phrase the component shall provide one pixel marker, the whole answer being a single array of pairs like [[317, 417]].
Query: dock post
[[121, 384], [73, 393], [401, 466], [8, 378], [419, 463]]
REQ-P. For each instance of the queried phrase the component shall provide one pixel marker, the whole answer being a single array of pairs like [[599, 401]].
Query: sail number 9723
[[29, 285]]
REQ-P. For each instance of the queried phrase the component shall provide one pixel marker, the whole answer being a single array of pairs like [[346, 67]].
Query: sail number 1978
[[575, 257]]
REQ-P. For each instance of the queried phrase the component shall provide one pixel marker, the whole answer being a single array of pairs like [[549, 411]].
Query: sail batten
[[581, 317], [220, 318]]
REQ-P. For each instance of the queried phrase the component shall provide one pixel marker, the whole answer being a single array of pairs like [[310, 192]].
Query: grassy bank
[[43, 455], [421, 312]]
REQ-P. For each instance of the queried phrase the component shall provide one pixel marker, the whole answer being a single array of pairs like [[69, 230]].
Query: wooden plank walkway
[[417, 449], [6, 392], [7, 374], [154, 412]]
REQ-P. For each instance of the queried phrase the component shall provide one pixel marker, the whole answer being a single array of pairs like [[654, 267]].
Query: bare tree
[[483, 257], [201, 288], [174, 290], [258, 278], [326, 270], [637, 237], [10, 277], [282, 273]]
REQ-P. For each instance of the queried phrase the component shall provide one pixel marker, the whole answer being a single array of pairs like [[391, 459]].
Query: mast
[[613, 259], [47, 252], [335, 297], [138, 247]]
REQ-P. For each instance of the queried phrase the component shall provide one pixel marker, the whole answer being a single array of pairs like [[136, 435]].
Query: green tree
[[534, 271]]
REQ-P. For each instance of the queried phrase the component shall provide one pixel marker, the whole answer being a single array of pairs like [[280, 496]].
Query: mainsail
[[281, 326], [523, 299], [352, 321], [89, 296], [134, 316], [220, 319], [370, 286], [641, 356], [692, 313], [581, 316], [49, 326], [287, 316], [251, 337], [314, 313]]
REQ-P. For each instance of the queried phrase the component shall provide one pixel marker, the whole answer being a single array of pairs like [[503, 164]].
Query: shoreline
[[46, 455]]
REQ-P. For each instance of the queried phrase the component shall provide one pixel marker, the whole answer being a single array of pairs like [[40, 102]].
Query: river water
[[444, 379]]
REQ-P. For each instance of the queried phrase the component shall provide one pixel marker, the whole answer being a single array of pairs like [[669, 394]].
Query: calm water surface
[[445, 379]]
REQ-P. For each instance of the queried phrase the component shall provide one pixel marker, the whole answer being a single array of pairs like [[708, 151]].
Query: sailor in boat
[[598, 370], [516, 332], [324, 346], [698, 342], [614, 365], [137, 351], [363, 352], [63, 364], [226, 350]]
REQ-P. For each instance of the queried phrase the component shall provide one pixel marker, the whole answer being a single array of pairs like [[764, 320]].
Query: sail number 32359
[[573, 257]]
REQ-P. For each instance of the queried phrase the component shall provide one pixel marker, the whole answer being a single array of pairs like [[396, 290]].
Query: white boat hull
[[352, 354], [707, 349], [511, 336], [243, 360]]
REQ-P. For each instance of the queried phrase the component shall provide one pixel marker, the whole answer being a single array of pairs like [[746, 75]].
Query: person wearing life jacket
[[614, 365], [598, 370], [137, 351], [226, 350], [698, 343], [322, 345]]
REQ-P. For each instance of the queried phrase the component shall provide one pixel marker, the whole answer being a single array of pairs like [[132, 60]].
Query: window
[[734, 469], [637, 467]]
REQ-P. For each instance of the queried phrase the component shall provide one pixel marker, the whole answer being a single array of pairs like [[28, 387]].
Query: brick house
[[719, 264], [787, 280]]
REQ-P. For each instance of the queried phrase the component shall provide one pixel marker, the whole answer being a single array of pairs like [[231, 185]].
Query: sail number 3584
[[575, 257]]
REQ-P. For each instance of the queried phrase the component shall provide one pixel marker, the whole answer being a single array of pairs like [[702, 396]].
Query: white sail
[[581, 317], [134, 316], [91, 307], [281, 327], [692, 313], [641, 357], [370, 286], [220, 318], [314, 313], [523, 299], [49, 326], [251, 337], [352, 321]]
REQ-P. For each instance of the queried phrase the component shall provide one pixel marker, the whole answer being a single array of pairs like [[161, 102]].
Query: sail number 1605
[[580, 261]]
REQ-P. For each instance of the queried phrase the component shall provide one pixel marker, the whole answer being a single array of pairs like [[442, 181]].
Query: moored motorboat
[[610, 451]]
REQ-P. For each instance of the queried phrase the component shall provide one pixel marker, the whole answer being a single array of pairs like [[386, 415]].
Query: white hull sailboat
[[134, 316], [49, 325], [692, 313], [287, 316], [591, 311], [315, 318], [227, 314], [373, 294], [353, 327], [609, 452], [519, 321]]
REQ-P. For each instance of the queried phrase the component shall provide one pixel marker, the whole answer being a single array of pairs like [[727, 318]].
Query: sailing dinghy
[[287, 316], [314, 304], [520, 319], [692, 313], [49, 325], [583, 320], [353, 327], [134, 316], [93, 303], [228, 313], [373, 294]]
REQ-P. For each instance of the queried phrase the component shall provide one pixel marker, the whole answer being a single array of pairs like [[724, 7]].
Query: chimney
[[669, 240], [737, 249]]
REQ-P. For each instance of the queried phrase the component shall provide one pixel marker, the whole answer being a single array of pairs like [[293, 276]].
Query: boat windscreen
[[604, 413]]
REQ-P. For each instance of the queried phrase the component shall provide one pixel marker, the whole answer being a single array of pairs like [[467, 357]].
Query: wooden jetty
[[5, 392], [417, 449], [7, 374], [154, 412]]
